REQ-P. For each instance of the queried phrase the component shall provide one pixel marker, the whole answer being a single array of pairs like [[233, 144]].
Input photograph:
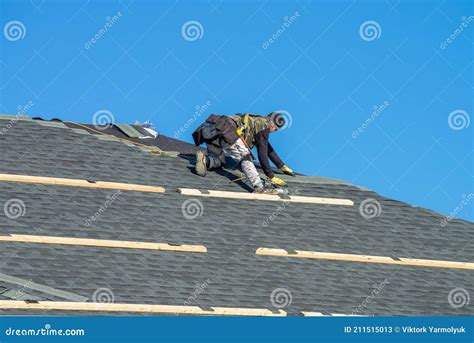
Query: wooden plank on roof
[[320, 314], [313, 314], [143, 308], [102, 243], [414, 262], [57, 181], [265, 197]]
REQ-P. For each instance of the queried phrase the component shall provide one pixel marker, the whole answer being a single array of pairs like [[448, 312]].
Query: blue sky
[[379, 93]]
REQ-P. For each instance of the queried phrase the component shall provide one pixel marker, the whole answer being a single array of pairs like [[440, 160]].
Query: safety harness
[[248, 125], [242, 130]]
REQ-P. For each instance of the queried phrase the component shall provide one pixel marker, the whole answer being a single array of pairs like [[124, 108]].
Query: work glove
[[277, 181], [287, 171]]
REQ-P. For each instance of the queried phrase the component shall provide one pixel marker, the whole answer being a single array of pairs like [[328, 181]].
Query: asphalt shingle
[[230, 274]]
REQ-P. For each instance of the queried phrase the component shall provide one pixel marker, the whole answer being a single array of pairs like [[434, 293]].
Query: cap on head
[[278, 119]]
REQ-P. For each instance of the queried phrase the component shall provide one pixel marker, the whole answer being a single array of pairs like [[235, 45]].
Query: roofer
[[235, 136]]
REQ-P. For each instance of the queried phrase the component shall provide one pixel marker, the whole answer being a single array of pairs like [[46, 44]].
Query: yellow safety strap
[[245, 121]]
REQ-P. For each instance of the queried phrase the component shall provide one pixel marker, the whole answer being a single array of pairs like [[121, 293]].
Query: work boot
[[265, 190], [200, 166]]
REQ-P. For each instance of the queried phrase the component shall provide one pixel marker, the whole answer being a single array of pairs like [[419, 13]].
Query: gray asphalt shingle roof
[[230, 274]]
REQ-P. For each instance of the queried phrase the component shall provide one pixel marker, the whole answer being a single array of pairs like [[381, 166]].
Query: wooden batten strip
[[143, 308], [320, 314], [414, 262], [265, 197], [56, 181], [102, 243], [313, 314]]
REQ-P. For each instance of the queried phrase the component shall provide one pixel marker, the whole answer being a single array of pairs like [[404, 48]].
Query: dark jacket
[[257, 136], [255, 124], [266, 151], [226, 129]]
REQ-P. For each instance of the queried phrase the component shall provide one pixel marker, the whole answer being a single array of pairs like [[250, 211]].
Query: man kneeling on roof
[[235, 136]]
